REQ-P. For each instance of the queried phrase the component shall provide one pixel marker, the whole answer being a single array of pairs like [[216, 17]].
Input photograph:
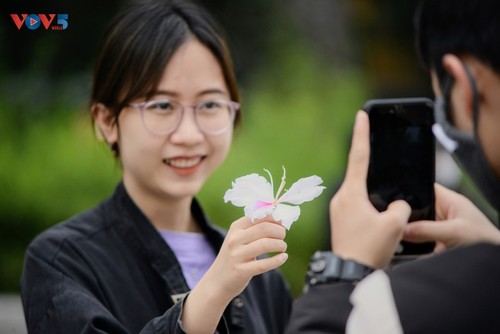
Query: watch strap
[[326, 267]]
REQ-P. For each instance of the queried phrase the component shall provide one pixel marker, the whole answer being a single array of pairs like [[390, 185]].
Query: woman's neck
[[165, 213]]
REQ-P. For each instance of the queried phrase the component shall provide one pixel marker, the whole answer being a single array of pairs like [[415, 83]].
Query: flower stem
[[271, 179], [282, 185]]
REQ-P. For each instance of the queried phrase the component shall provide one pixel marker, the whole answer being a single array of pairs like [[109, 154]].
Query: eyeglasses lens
[[212, 117]]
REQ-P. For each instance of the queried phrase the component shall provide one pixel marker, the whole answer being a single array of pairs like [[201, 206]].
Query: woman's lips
[[184, 165]]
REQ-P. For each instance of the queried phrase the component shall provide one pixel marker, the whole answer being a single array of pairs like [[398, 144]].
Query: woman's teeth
[[183, 162]]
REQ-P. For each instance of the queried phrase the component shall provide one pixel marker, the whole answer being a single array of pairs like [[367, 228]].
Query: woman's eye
[[162, 105], [211, 105]]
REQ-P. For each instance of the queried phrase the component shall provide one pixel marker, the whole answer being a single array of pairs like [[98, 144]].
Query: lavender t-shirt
[[193, 251]]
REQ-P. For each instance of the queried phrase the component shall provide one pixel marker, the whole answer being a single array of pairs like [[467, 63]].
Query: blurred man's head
[[460, 27], [458, 42]]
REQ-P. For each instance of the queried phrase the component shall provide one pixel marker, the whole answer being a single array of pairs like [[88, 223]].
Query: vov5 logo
[[34, 21]]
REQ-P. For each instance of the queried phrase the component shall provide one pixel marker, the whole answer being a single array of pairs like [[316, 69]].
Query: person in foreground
[[147, 260], [456, 290]]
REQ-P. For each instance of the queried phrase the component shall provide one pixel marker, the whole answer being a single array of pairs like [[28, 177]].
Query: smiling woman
[[172, 164], [165, 100]]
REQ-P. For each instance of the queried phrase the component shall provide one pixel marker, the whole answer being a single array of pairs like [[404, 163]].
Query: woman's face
[[175, 166]]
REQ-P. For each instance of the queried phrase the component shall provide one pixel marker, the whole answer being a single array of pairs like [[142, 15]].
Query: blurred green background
[[305, 67]]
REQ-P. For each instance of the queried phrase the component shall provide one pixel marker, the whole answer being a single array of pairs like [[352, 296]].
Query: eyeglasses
[[162, 117]]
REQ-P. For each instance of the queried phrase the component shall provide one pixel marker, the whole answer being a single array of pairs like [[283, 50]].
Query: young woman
[[147, 260]]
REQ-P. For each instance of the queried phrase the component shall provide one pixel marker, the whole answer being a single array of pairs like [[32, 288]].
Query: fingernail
[[283, 257], [358, 116]]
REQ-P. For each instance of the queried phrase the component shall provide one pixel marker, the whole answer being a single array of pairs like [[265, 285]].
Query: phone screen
[[402, 158]]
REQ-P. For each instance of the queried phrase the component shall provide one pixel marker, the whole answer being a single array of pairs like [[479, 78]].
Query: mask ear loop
[[446, 86], [475, 100]]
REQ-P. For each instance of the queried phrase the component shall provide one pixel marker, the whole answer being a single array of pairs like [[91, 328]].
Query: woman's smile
[[184, 165]]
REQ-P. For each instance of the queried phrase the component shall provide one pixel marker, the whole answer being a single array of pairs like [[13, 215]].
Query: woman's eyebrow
[[204, 92], [212, 91], [166, 92]]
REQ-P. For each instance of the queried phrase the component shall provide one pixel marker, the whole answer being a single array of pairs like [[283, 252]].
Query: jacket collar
[[139, 232], [144, 238]]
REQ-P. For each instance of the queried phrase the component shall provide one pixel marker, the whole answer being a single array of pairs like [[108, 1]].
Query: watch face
[[318, 265], [327, 267]]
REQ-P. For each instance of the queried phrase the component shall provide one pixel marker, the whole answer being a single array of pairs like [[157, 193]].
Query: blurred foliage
[[299, 118], [51, 170], [299, 100]]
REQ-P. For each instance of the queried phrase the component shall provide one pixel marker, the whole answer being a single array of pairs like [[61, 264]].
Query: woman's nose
[[188, 131]]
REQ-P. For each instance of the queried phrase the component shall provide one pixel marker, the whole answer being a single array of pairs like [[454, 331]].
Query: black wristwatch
[[326, 267]]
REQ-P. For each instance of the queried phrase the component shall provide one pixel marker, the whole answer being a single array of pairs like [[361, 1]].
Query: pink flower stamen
[[263, 204]]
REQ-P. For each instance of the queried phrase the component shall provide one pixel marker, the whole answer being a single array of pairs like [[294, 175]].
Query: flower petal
[[247, 190], [258, 212], [287, 214], [304, 190]]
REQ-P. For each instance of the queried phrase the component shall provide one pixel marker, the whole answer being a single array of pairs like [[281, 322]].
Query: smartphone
[[402, 159]]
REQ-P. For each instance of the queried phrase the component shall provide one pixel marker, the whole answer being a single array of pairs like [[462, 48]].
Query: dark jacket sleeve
[[322, 309], [454, 292], [56, 303]]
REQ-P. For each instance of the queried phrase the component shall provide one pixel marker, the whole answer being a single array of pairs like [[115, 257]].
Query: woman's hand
[[232, 270], [458, 222], [236, 262]]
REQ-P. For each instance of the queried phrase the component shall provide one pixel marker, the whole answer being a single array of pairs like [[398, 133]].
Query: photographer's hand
[[458, 222], [359, 231]]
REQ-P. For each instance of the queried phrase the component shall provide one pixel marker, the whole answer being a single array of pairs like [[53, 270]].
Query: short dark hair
[[460, 27], [139, 43]]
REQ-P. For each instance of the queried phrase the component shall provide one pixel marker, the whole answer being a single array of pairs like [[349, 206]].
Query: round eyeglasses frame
[[142, 106]]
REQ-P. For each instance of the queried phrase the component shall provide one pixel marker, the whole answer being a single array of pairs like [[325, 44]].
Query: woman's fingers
[[260, 247], [245, 234], [263, 265]]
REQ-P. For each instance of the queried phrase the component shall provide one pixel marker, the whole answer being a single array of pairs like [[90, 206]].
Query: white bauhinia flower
[[256, 195]]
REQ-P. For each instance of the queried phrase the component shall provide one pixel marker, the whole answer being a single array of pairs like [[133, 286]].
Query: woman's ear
[[105, 124], [461, 95]]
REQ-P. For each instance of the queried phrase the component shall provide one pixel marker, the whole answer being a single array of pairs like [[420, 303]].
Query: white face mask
[[465, 147]]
